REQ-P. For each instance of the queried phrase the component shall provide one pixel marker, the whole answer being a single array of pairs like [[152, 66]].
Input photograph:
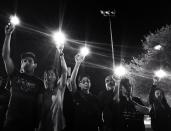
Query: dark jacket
[[160, 112]]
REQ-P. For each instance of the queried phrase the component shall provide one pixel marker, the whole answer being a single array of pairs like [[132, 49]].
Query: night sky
[[82, 22]]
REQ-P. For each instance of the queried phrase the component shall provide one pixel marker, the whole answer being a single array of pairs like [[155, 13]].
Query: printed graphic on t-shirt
[[25, 85]]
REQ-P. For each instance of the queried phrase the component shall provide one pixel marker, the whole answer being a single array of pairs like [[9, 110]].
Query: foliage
[[141, 68]]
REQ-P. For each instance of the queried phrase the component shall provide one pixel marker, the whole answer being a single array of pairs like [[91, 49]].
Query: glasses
[[29, 60], [84, 81], [109, 80]]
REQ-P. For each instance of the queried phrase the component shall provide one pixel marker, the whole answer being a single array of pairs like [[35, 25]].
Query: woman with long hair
[[132, 109], [160, 111]]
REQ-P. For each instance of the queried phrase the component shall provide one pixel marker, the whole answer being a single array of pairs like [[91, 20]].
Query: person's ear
[[45, 76], [79, 84], [21, 62], [35, 65]]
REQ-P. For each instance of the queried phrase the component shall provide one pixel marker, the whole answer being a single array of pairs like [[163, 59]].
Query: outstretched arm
[[9, 66], [63, 79], [78, 60], [142, 109]]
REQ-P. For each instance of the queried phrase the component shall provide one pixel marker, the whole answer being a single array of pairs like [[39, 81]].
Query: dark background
[[82, 21]]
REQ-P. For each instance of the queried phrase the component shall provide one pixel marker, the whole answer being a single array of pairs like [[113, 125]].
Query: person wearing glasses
[[86, 106]]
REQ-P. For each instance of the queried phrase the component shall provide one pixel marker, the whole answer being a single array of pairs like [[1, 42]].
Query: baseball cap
[[28, 54]]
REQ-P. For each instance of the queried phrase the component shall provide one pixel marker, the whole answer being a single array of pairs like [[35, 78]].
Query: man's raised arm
[[9, 66]]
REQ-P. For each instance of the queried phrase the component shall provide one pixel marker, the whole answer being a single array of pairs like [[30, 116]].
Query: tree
[[142, 67]]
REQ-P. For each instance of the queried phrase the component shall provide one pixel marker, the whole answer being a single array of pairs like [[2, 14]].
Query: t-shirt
[[86, 112], [68, 107], [109, 108], [52, 117], [24, 101]]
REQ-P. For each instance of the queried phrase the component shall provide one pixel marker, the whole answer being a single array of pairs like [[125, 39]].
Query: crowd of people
[[62, 103]]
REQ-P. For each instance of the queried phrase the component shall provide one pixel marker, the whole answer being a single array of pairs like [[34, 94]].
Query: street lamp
[[14, 20], [110, 14]]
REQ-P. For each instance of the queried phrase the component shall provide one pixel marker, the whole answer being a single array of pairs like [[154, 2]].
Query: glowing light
[[158, 47], [14, 20], [84, 51], [160, 73], [59, 38], [120, 71]]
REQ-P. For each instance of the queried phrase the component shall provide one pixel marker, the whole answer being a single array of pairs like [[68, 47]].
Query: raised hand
[[9, 29], [60, 48], [79, 58], [155, 80]]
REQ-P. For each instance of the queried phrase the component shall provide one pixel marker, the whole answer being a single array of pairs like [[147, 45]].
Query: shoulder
[[14, 73]]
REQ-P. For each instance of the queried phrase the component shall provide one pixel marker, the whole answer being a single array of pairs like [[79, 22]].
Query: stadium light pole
[[110, 14]]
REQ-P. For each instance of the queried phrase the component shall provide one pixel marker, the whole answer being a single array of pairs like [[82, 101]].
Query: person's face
[[156, 80], [51, 76], [126, 89], [85, 83], [158, 94], [109, 82], [28, 65]]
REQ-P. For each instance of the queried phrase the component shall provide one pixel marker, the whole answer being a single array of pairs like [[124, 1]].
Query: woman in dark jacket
[[132, 109], [160, 111]]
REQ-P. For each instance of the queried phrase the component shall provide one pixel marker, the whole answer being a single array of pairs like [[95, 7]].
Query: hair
[[82, 76], [54, 69], [153, 99], [112, 76], [123, 83]]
